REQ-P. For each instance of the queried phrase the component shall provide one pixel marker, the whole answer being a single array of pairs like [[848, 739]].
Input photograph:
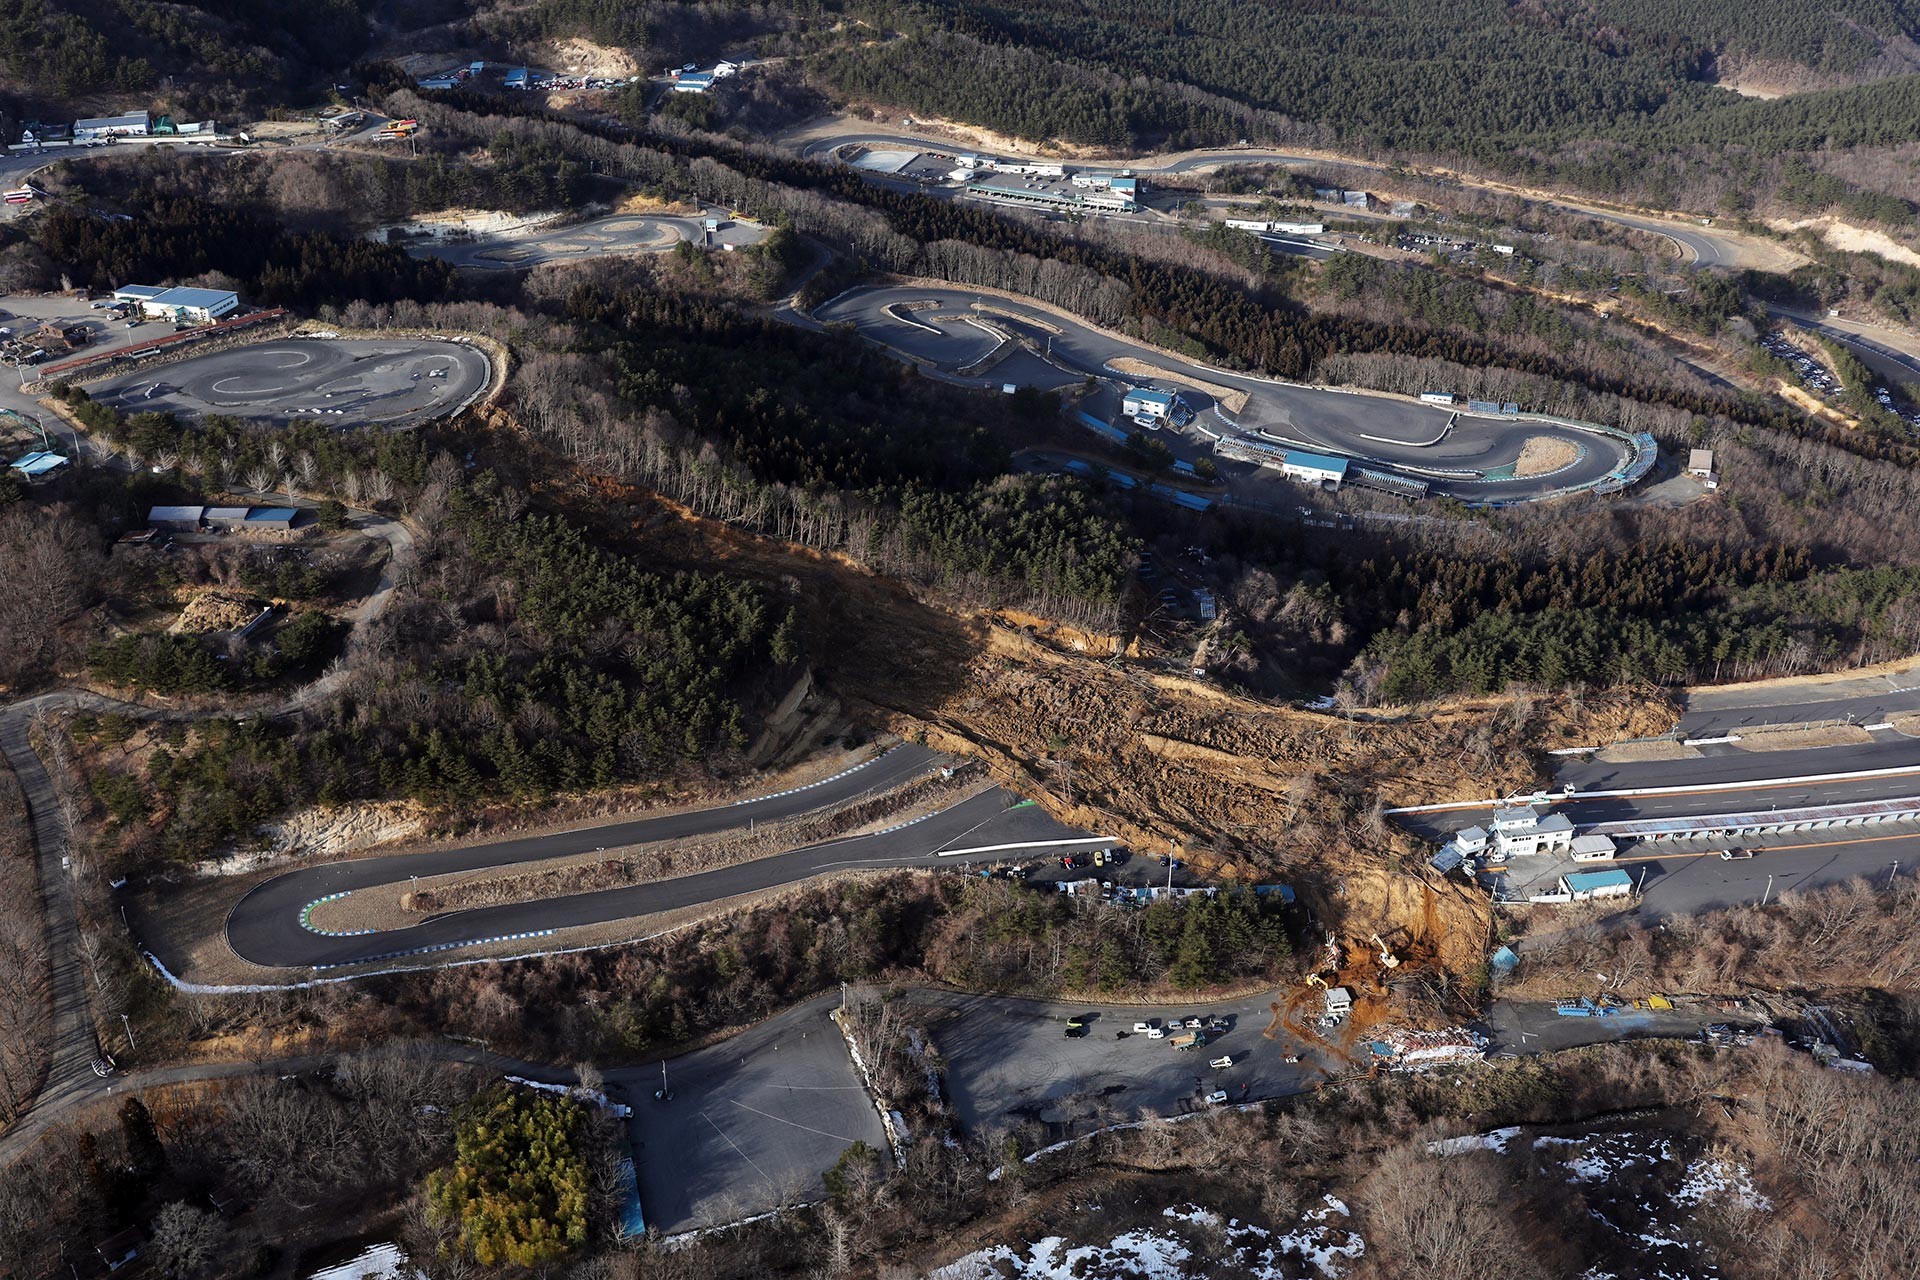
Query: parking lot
[[753, 1122], [104, 329], [1011, 1062]]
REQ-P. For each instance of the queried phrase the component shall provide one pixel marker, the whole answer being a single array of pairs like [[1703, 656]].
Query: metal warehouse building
[[201, 306]]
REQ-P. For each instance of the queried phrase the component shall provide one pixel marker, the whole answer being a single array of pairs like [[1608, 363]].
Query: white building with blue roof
[[1145, 404], [1313, 468]]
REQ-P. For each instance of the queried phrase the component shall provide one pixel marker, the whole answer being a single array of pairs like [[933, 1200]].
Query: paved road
[[1878, 345], [70, 1076], [1699, 245], [339, 382], [1696, 879], [1467, 457], [620, 233], [1729, 781], [265, 926], [1861, 699]]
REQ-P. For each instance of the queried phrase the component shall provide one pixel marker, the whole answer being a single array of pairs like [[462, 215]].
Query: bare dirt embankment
[[1246, 790]]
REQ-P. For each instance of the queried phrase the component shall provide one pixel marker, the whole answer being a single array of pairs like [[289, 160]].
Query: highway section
[[952, 331]]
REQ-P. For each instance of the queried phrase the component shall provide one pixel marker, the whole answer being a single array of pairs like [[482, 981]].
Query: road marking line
[[1648, 793], [792, 1123], [736, 1147], [1026, 844]]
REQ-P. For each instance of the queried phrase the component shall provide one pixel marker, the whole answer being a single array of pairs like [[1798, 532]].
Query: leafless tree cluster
[[26, 1033], [563, 399], [53, 568], [1851, 935]]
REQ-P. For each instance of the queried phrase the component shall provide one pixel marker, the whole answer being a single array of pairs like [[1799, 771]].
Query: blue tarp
[[1504, 960], [632, 1222]]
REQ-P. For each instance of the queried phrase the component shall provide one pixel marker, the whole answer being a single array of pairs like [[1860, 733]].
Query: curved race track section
[[1471, 458], [343, 382], [267, 926]]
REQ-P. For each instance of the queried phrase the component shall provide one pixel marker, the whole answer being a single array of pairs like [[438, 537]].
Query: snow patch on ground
[[1493, 1140], [377, 1262], [1233, 1248], [1709, 1179]]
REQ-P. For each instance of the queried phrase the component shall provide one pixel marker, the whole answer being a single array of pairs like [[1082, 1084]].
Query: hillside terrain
[[959, 639]]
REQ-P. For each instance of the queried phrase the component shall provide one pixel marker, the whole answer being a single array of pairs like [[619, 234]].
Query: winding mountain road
[[267, 927]]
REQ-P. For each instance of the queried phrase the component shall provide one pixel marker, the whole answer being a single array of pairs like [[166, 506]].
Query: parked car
[[1218, 1098], [1156, 1033], [1735, 855], [1143, 1027]]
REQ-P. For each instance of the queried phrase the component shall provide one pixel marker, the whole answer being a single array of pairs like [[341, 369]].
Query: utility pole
[[1769, 893], [1891, 874], [131, 1046]]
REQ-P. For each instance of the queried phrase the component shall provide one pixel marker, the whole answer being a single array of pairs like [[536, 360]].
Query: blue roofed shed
[[39, 464], [1586, 885], [276, 518]]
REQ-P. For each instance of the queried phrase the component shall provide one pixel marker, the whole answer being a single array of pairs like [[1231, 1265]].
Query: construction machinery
[[1388, 960]]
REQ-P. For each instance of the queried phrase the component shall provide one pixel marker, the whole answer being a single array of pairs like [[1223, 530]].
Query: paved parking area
[[753, 1123], [1010, 1062]]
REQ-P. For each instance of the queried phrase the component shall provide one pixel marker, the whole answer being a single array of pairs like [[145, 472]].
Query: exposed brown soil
[[1541, 455], [1633, 752], [1834, 735], [216, 610]]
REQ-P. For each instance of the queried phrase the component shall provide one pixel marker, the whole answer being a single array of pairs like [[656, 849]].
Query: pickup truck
[[1222, 1062]]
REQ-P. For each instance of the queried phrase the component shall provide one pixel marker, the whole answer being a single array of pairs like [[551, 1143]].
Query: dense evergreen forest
[[172, 237], [70, 47], [1408, 74]]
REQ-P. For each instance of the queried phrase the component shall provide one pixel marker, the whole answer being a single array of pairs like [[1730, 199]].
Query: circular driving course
[[343, 382]]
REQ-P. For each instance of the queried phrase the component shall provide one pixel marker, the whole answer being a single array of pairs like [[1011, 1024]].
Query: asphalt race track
[[1470, 458], [266, 927], [341, 382], [621, 233]]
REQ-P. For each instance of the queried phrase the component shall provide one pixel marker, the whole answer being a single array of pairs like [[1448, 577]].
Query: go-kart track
[[343, 382], [1474, 458]]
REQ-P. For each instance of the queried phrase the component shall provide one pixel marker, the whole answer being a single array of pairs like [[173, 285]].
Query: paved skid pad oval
[[339, 382]]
